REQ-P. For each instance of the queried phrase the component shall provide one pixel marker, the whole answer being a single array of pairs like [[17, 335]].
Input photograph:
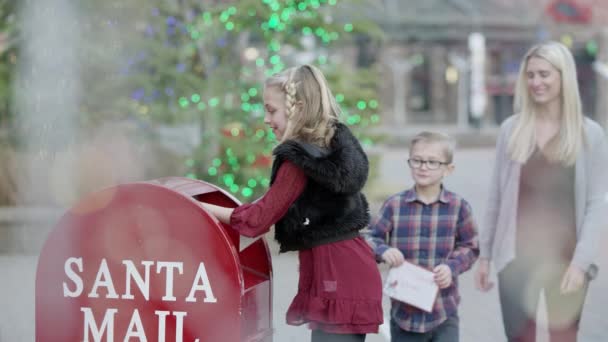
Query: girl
[[316, 205], [547, 202]]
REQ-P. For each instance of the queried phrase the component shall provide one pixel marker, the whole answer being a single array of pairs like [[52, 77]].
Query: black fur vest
[[331, 208]]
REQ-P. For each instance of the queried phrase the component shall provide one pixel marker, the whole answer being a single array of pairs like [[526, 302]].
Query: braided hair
[[311, 108]]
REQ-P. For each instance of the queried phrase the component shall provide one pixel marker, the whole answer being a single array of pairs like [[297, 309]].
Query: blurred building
[[426, 59]]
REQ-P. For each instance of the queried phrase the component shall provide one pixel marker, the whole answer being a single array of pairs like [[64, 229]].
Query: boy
[[431, 227]]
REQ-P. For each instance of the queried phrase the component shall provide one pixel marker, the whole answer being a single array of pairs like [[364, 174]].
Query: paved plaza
[[480, 314]]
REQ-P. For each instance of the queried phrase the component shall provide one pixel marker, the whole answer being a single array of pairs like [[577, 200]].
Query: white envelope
[[413, 285]]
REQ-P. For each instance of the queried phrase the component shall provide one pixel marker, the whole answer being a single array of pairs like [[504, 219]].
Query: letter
[[169, 279], [106, 282], [135, 323], [179, 325], [205, 286], [90, 325], [132, 273], [73, 277], [162, 318]]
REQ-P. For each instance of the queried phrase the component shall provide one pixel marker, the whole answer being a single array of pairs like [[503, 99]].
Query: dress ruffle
[[336, 315]]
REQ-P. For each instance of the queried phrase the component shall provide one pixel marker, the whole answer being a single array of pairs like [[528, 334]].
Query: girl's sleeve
[[256, 218]]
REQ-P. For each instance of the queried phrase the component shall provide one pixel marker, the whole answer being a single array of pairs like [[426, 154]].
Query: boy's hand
[[443, 276], [393, 257]]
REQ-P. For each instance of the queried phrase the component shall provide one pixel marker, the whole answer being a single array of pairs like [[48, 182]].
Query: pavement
[[479, 312]]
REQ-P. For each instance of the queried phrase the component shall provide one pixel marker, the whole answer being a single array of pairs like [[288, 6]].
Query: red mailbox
[[145, 262]]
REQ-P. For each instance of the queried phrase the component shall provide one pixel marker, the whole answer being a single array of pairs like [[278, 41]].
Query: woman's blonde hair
[[311, 108], [570, 136]]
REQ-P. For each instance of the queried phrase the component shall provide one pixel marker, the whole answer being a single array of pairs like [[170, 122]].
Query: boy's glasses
[[430, 164]]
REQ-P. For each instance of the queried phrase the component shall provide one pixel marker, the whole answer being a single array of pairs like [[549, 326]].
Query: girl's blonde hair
[[571, 135], [311, 108]]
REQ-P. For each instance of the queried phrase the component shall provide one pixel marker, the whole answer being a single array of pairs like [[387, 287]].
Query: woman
[[547, 199]]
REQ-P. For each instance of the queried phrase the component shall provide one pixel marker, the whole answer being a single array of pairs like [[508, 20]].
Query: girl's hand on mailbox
[[221, 213]]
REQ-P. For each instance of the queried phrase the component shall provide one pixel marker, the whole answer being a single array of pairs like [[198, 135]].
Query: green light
[[247, 192], [224, 16], [189, 162], [235, 132], [265, 182], [339, 97], [275, 59], [307, 31], [207, 17], [591, 48], [418, 59], [216, 162], [319, 31], [252, 183], [250, 158], [229, 26], [234, 188], [270, 136], [322, 59], [315, 4], [274, 20], [302, 6], [259, 62], [375, 118], [183, 102], [191, 175], [195, 34], [348, 27], [195, 98], [212, 171], [351, 120], [332, 2], [232, 10], [244, 97], [228, 179], [252, 92], [373, 104], [214, 101], [361, 105], [246, 107], [201, 106], [260, 133], [274, 46], [229, 152]]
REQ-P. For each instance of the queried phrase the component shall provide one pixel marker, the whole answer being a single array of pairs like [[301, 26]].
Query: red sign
[[144, 262], [569, 11]]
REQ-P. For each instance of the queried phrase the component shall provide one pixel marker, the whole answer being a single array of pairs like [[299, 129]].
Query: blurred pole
[[399, 69], [47, 89], [477, 48], [462, 64]]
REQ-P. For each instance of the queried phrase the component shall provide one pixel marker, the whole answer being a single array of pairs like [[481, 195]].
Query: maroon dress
[[340, 289]]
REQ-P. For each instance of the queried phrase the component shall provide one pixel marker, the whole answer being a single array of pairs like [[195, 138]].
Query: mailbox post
[[144, 262]]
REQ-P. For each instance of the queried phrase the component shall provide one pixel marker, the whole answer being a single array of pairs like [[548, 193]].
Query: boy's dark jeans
[[446, 332], [321, 336]]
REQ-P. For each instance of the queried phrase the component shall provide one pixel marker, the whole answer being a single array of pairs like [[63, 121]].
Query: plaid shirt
[[443, 232]]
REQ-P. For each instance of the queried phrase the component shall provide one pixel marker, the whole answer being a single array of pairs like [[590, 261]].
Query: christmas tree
[[204, 63]]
